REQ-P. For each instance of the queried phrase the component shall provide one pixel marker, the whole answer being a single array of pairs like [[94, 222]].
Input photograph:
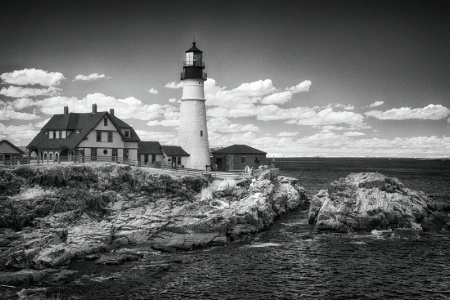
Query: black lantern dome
[[193, 65]]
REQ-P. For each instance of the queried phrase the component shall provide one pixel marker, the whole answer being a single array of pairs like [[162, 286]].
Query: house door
[[219, 164], [114, 154], [174, 162], [125, 154]]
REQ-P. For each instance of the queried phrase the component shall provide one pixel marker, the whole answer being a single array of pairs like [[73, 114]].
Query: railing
[[194, 64], [191, 75]]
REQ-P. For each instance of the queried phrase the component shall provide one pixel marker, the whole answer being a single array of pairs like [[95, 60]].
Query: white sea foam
[[261, 245]]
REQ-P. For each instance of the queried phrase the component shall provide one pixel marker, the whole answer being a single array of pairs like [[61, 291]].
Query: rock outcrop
[[51, 215], [367, 201]]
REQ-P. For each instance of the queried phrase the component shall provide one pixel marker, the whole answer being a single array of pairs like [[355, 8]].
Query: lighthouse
[[193, 131]]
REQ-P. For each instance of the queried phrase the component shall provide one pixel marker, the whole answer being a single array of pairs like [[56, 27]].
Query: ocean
[[289, 262]]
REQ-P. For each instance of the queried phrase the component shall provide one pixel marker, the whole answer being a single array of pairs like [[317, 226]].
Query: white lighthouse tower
[[193, 133]]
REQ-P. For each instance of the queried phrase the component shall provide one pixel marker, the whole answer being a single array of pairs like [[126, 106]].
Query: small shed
[[9, 153], [149, 152], [174, 156], [237, 157]]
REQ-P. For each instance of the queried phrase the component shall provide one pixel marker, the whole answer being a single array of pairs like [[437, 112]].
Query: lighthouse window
[[201, 133]]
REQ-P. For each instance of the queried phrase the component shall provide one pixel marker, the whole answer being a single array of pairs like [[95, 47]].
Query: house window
[[60, 134], [99, 136], [127, 133], [179, 160], [50, 136], [201, 133], [257, 160], [105, 122], [105, 152], [242, 159], [110, 136]]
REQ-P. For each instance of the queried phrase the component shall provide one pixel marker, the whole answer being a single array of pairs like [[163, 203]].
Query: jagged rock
[[63, 276], [25, 277], [53, 256], [63, 212], [366, 201]]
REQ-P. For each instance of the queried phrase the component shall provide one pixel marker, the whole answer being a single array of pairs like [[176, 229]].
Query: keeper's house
[[95, 134], [237, 157]]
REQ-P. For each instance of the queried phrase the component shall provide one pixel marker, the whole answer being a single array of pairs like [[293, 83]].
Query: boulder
[[367, 201]]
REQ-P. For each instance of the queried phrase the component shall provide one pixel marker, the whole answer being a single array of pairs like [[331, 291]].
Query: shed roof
[[238, 149], [150, 147], [174, 151], [12, 145]]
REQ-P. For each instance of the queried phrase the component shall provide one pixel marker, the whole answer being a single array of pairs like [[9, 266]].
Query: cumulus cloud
[[153, 91], [333, 144], [334, 127], [19, 135], [172, 100], [301, 87], [277, 98], [354, 133], [32, 77], [22, 103], [225, 125], [287, 133], [345, 107], [261, 91], [163, 123], [8, 113], [93, 76], [22, 92], [124, 108], [430, 112], [246, 93], [165, 138], [376, 103], [174, 85]]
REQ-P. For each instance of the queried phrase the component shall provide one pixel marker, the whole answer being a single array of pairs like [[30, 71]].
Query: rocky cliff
[[366, 201], [51, 215]]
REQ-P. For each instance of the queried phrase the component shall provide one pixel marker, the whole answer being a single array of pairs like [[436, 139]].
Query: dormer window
[[126, 133]]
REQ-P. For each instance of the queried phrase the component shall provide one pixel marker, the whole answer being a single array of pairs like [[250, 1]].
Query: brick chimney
[[66, 110], [111, 111], [94, 108]]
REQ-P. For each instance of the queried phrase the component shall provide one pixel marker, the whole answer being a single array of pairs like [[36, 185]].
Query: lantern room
[[193, 65]]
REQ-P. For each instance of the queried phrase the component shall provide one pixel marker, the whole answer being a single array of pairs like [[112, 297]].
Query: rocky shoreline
[[53, 215]]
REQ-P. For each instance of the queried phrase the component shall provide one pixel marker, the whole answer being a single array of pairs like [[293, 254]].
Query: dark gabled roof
[[239, 149], [12, 145], [174, 151], [133, 135], [149, 147], [85, 122], [194, 49]]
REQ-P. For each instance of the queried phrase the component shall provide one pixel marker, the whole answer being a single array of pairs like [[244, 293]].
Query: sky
[[292, 78]]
